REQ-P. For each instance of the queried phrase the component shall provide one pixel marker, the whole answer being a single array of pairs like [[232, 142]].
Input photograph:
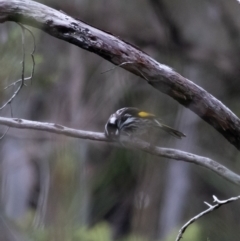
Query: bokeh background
[[60, 188]]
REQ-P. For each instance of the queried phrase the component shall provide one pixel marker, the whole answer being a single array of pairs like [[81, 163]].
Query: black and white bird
[[132, 121]]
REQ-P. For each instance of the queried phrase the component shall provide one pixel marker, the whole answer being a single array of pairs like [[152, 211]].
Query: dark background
[[59, 188]]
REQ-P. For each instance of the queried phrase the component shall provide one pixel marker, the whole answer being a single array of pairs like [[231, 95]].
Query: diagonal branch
[[211, 208], [130, 144], [117, 51]]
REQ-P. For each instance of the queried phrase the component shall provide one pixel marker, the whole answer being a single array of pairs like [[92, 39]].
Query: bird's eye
[[125, 117], [111, 125], [111, 128]]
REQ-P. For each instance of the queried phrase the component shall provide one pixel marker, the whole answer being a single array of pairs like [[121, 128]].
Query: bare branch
[[130, 144], [32, 53], [6, 131], [4, 134], [23, 71], [117, 51], [210, 209], [23, 79]]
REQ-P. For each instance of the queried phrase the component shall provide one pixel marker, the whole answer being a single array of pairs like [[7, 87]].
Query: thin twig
[[210, 209], [23, 79], [6, 131], [23, 70], [104, 72], [23, 55], [124, 64], [32, 53], [17, 81]]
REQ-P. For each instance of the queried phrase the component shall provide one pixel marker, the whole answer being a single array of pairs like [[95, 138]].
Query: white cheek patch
[[112, 120], [111, 128]]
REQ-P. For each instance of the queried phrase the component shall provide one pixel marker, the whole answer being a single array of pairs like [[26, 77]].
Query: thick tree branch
[[128, 57], [132, 144]]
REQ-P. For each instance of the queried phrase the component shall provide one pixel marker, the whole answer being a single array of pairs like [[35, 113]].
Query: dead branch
[[210, 209], [23, 79], [117, 51], [130, 144]]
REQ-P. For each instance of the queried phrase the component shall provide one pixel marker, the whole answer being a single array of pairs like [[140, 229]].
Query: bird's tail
[[172, 131]]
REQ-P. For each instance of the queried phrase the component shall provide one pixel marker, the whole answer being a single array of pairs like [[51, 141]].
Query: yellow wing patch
[[145, 114]]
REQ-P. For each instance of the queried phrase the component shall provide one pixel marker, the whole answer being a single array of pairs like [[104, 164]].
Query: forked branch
[[117, 51], [21, 81], [210, 209]]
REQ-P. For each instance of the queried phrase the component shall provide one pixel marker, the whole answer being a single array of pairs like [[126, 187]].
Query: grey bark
[[117, 51]]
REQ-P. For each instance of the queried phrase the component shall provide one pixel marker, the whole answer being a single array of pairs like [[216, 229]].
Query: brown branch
[[130, 144], [113, 49]]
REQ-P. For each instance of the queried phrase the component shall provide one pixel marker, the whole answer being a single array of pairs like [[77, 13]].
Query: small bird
[[132, 121]]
